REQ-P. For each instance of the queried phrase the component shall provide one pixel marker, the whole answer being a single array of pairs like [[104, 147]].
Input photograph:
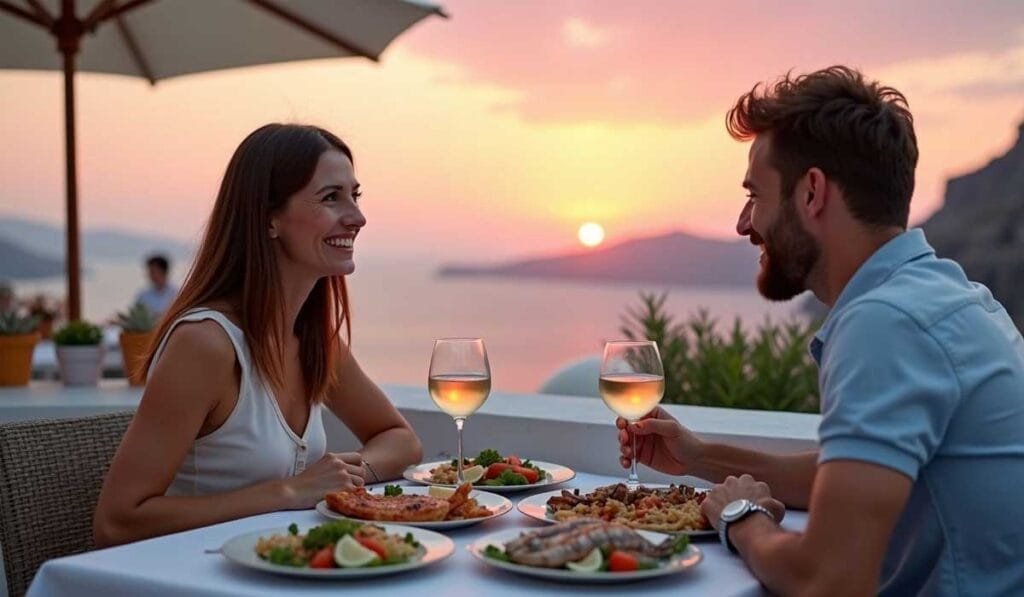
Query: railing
[[575, 431]]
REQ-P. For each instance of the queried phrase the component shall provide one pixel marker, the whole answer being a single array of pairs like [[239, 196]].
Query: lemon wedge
[[591, 563], [348, 553], [473, 473], [441, 492]]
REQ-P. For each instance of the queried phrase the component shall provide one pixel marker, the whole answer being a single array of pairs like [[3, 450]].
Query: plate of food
[[663, 508], [492, 471], [587, 551], [432, 507], [338, 549]]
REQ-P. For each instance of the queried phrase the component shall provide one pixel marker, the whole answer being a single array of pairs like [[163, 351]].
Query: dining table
[[190, 563]]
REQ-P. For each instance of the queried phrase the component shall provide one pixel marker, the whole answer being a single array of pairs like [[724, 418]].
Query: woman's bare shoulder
[[200, 342]]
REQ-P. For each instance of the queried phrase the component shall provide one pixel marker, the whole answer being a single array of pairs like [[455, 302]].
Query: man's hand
[[741, 488], [661, 443]]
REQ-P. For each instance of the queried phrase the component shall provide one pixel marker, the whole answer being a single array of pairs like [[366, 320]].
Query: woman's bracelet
[[376, 479]]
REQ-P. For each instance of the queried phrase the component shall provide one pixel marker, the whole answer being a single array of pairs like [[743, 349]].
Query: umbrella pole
[[73, 263], [69, 33]]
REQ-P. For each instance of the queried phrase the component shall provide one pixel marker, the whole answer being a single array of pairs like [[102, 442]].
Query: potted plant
[[136, 333], [46, 310], [79, 353], [18, 337]]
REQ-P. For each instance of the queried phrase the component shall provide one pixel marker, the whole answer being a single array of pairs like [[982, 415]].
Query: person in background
[[159, 296], [915, 487]]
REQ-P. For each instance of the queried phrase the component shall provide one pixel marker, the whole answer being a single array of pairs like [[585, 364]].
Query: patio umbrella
[[158, 39]]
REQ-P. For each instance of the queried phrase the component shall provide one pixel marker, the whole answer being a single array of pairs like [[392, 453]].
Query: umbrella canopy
[[158, 39]]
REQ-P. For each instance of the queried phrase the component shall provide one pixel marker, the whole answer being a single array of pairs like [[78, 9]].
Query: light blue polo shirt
[[922, 372]]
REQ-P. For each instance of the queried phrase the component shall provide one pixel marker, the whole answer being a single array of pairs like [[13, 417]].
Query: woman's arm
[[197, 375], [389, 442]]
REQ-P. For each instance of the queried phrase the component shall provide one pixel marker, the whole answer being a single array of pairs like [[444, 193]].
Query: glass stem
[[633, 481], [459, 422]]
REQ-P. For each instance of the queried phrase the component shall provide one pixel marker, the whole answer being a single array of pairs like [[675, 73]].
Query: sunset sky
[[500, 131]]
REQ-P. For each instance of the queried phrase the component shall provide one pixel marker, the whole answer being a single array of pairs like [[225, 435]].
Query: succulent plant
[[78, 333], [12, 324], [139, 319]]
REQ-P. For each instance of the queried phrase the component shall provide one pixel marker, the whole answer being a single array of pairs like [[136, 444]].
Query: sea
[[531, 327]]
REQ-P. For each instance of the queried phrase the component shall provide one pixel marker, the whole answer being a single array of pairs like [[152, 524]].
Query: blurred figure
[[158, 297], [6, 297]]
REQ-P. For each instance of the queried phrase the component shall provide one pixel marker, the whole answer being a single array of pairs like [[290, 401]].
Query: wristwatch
[[736, 511]]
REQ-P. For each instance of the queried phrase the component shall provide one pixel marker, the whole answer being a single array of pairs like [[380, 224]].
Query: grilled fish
[[400, 508], [573, 540]]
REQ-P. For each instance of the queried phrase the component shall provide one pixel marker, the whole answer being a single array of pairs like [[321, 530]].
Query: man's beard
[[790, 254]]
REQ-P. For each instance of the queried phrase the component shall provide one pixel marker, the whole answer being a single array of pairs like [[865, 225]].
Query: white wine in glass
[[632, 383], [459, 381]]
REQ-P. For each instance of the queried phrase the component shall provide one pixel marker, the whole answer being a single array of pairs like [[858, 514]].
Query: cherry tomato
[[621, 561], [373, 545], [323, 558]]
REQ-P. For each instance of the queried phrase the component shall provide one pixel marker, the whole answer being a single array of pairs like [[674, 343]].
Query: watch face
[[734, 509]]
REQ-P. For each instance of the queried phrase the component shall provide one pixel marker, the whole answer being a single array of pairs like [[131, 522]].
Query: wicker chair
[[51, 472]]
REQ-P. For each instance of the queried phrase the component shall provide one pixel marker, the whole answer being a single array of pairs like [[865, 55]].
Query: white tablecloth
[[177, 565]]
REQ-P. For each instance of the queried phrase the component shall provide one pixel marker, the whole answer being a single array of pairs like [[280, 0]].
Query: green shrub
[[12, 324], [78, 333], [139, 319], [767, 368]]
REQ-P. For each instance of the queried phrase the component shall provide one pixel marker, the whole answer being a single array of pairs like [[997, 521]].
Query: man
[[915, 486], [159, 296]]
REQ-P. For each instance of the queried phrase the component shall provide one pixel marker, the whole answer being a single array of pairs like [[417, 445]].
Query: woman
[[230, 421]]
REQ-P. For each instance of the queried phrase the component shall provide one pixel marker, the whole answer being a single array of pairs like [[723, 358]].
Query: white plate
[[434, 547], [495, 503], [678, 563], [536, 507], [556, 474]]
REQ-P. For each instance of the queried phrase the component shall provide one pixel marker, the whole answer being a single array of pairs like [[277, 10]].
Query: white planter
[[80, 365]]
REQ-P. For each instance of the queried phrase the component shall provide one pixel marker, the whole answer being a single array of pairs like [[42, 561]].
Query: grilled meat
[[572, 541]]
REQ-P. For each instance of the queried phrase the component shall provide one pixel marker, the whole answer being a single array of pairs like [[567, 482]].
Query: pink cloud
[[674, 61]]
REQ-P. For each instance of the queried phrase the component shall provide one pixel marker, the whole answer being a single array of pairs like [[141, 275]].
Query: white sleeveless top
[[255, 443]]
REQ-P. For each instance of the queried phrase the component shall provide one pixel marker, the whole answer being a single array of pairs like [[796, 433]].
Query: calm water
[[531, 327]]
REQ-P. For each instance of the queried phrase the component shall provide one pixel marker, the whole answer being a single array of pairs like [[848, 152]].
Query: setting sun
[[591, 234]]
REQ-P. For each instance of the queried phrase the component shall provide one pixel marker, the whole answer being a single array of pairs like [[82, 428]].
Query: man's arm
[[665, 445], [790, 476], [854, 508]]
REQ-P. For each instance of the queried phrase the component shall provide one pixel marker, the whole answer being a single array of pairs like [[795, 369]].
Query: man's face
[[788, 251], [157, 276]]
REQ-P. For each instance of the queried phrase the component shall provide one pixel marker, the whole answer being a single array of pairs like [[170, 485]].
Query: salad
[[490, 468], [338, 544]]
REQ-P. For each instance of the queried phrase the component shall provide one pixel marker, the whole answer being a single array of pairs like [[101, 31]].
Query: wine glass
[[459, 380], [632, 383]]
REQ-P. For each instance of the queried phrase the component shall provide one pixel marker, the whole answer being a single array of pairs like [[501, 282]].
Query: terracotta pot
[[134, 349], [80, 365], [16, 358], [46, 328]]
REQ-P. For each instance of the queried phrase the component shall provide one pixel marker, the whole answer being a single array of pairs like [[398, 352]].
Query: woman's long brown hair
[[236, 262]]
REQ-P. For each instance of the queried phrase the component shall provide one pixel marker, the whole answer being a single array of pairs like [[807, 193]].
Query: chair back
[[51, 472]]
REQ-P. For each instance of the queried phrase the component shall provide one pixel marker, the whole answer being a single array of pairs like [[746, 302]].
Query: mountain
[[672, 259], [19, 263], [981, 226], [98, 244]]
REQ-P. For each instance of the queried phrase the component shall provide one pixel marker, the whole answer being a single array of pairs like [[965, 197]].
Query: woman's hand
[[333, 472], [661, 443]]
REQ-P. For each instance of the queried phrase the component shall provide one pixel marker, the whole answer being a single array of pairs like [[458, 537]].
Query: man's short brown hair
[[859, 133]]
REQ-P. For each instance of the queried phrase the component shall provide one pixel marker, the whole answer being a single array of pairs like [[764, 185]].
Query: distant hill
[[676, 259], [19, 263], [981, 226], [98, 244]]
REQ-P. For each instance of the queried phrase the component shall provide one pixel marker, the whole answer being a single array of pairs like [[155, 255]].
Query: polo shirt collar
[[872, 273]]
